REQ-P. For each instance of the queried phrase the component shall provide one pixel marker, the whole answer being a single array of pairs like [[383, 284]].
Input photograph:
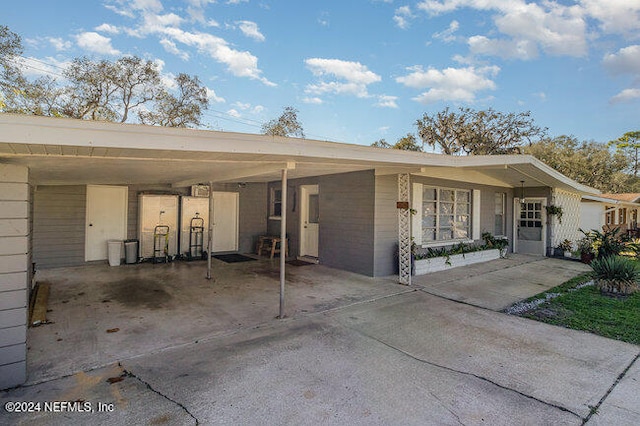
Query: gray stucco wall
[[15, 234], [386, 217], [386, 225], [60, 211], [346, 237], [59, 225]]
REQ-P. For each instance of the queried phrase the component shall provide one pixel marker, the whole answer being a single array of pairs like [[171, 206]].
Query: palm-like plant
[[616, 274]]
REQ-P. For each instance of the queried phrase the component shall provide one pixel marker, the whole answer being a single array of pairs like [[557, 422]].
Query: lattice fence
[[569, 228]]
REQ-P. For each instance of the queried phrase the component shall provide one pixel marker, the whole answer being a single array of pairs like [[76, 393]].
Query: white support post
[[210, 242], [404, 230], [283, 240]]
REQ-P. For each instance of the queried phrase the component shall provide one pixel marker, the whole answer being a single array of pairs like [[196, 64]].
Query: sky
[[362, 70]]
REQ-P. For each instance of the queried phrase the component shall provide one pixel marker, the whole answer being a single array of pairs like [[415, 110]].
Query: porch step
[[39, 311]]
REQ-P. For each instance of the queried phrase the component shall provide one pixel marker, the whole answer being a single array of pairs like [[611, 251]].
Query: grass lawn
[[587, 309]]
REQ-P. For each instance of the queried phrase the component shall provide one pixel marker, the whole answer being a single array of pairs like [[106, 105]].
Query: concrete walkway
[[406, 358], [498, 284]]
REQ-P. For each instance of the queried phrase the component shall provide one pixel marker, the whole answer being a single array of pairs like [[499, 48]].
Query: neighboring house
[[66, 186], [609, 211]]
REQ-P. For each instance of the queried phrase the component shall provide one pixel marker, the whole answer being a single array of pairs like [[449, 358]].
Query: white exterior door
[[106, 219], [309, 220], [190, 207], [225, 221], [530, 231]]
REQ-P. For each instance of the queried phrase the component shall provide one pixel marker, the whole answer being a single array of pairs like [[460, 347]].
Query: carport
[[48, 165], [54, 161]]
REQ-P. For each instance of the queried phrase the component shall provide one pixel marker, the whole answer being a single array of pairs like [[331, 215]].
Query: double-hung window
[[275, 204], [446, 214]]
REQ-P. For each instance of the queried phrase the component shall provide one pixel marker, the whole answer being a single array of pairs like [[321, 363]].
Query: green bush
[[604, 244], [616, 274]]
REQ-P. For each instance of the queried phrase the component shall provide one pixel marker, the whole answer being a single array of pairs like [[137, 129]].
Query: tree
[[183, 110], [43, 96], [589, 163], [109, 91], [629, 143], [286, 125], [405, 143], [474, 132], [408, 143], [10, 50]]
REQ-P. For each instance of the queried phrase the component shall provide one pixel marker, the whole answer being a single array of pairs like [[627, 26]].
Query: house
[[609, 211], [67, 186]]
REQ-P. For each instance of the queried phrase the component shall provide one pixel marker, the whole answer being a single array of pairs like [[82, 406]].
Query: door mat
[[298, 262], [233, 258]]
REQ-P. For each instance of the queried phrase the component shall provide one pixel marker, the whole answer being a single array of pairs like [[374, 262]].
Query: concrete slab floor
[[359, 351], [101, 314], [498, 284], [410, 359]]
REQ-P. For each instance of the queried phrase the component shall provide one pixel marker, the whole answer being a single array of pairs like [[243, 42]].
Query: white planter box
[[435, 264]]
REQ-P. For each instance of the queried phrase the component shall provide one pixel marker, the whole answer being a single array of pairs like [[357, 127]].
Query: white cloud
[[251, 30], [59, 44], [519, 49], [448, 35], [402, 17], [627, 95], [624, 61], [312, 100], [450, 84], [212, 96], [240, 64], [615, 16], [234, 113], [355, 77], [107, 28], [94, 42], [554, 28], [171, 47], [236, 1], [387, 101]]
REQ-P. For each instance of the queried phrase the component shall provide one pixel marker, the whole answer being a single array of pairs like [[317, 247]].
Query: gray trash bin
[[131, 251]]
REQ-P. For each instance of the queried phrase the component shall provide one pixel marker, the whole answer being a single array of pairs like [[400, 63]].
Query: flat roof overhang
[[67, 151]]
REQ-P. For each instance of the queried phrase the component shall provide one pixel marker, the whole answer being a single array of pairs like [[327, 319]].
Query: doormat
[[298, 262], [233, 258]]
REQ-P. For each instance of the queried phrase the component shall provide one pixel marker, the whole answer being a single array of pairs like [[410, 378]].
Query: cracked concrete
[[398, 356]]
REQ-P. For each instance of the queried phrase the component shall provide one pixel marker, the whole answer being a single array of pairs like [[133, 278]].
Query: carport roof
[[67, 151]]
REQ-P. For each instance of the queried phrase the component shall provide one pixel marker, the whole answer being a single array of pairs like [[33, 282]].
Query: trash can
[[114, 249], [130, 251]]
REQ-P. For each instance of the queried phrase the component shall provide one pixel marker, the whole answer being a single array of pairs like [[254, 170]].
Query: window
[[634, 218], [275, 205], [609, 217], [446, 214], [500, 228], [622, 216]]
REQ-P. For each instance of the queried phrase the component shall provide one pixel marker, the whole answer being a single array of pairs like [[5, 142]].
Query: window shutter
[[475, 216], [416, 220]]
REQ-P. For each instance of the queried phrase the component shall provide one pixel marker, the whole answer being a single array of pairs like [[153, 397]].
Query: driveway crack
[[466, 373], [151, 388], [595, 408]]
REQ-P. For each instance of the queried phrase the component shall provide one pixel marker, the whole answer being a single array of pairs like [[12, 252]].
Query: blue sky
[[362, 70]]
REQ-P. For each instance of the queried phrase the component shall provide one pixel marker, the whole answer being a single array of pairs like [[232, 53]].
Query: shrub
[[605, 244], [616, 274]]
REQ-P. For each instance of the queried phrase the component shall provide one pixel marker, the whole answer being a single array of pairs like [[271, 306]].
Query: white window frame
[[273, 202], [474, 218]]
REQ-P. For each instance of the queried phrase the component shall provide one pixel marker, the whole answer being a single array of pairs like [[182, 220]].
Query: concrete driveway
[[405, 358]]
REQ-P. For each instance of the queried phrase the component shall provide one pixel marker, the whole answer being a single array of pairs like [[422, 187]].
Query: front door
[[106, 219], [530, 226], [309, 220], [225, 221]]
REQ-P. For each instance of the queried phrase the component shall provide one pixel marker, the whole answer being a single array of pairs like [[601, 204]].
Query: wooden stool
[[272, 245]]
